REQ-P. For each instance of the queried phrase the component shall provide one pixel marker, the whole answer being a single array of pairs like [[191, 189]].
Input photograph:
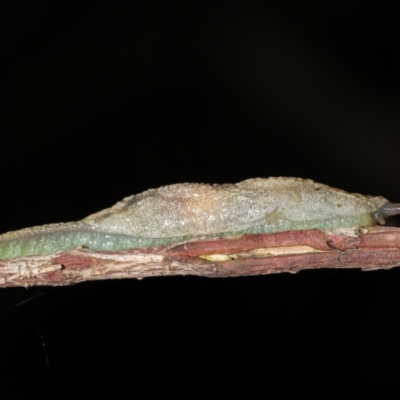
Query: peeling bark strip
[[292, 251]]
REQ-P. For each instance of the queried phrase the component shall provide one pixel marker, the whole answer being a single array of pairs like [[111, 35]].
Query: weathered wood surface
[[368, 249]]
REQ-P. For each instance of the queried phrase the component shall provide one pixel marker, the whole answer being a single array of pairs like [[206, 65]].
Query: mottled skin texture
[[196, 209], [179, 212]]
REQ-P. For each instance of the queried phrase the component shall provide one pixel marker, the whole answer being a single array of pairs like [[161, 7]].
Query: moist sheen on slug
[[182, 211]]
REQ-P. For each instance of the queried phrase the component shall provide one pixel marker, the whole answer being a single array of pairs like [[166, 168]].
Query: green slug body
[[179, 212]]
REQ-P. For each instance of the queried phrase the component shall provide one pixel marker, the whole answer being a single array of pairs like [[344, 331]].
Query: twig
[[293, 251]]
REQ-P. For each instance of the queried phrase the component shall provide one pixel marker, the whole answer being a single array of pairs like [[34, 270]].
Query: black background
[[103, 100]]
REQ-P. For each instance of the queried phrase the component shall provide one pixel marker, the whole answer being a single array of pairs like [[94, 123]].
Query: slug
[[179, 212]]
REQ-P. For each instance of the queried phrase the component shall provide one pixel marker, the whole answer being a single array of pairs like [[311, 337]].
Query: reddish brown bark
[[375, 248]]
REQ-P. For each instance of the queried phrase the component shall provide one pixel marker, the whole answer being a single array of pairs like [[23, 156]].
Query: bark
[[368, 249]]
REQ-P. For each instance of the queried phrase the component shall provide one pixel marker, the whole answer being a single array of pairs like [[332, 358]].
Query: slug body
[[180, 212]]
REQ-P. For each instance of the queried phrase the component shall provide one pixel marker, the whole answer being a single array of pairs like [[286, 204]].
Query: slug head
[[385, 211]]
